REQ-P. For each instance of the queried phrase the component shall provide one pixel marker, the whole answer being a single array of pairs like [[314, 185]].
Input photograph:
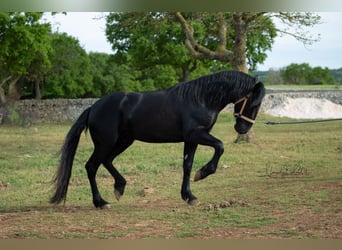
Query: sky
[[89, 29]]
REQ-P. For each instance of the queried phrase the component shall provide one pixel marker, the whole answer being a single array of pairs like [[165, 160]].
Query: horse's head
[[246, 108]]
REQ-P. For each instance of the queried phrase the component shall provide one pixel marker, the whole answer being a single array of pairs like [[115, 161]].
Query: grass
[[286, 184]]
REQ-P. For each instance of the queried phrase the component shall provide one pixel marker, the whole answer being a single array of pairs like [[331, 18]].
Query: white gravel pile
[[306, 108]]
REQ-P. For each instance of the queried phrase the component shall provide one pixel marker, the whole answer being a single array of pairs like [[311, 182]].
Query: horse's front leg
[[204, 138], [188, 158]]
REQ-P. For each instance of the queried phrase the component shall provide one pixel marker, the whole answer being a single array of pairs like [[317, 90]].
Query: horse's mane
[[214, 88]]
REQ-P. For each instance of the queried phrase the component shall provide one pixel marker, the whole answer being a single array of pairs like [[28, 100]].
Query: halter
[[240, 115]]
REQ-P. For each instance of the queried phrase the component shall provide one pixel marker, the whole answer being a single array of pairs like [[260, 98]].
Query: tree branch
[[2, 91], [200, 52], [254, 16], [305, 38], [296, 22], [5, 80], [222, 34]]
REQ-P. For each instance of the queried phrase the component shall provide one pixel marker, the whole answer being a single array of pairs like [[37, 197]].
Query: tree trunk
[[237, 56], [2, 96], [37, 89], [14, 92], [239, 61], [2, 91], [187, 69], [185, 75]]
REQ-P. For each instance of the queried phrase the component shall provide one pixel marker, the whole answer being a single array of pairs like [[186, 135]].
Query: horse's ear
[[258, 93], [256, 79]]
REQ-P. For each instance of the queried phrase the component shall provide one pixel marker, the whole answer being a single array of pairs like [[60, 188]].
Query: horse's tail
[[68, 152]]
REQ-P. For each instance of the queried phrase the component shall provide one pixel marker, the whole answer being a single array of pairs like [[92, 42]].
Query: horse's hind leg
[[120, 182], [92, 167]]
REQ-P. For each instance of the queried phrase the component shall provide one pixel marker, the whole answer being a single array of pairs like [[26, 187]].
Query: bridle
[[240, 114]]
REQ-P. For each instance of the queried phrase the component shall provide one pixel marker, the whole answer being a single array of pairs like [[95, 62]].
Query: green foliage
[[303, 74], [151, 45], [259, 40], [24, 47], [337, 75], [260, 34], [149, 52], [70, 74], [17, 39], [274, 77], [108, 76]]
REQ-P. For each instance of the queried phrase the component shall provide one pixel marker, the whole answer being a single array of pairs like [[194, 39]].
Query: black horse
[[185, 113]]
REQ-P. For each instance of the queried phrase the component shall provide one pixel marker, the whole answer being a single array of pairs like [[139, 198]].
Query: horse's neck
[[238, 94], [220, 100]]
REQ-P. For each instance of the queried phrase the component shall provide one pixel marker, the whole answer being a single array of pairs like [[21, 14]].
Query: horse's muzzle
[[242, 129]]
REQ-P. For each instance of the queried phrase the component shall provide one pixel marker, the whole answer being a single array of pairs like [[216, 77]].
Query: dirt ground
[[73, 222]]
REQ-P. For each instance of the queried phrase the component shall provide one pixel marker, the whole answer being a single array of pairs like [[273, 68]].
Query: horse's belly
[[149, 130], [158, 135]]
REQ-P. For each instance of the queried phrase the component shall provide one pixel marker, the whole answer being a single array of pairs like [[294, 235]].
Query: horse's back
[[153, 117], [109, 104], [147, 116]]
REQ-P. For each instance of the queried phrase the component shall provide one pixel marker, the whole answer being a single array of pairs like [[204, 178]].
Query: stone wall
[[62, 110], [53, 110]]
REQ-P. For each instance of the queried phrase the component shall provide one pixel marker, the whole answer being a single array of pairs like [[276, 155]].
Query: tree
[[228, 31], [108, 76], [235, 38], [302, 74], [274, 77], [24, 44], [39, 67], [295, 73], [151, 45], [237, 34], [70, 74], [336, 74], [319, 75]]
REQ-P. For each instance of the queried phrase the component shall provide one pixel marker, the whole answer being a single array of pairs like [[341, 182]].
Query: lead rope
[[298, 122]]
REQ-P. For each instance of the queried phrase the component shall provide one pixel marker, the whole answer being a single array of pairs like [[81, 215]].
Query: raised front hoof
[[119, 189], [198, 176], [117, 194]]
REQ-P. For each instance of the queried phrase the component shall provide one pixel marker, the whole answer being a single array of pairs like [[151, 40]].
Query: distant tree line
[[301, 74], [150, 51]]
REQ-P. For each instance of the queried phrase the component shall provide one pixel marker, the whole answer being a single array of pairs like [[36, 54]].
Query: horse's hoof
[[198, 176], [117, 194], [193, 202], [105, 206]]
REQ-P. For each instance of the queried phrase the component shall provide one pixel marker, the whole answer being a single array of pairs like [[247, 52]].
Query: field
[[285, 184]]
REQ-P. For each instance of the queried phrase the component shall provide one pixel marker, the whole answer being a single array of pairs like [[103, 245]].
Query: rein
[[240, 114]]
